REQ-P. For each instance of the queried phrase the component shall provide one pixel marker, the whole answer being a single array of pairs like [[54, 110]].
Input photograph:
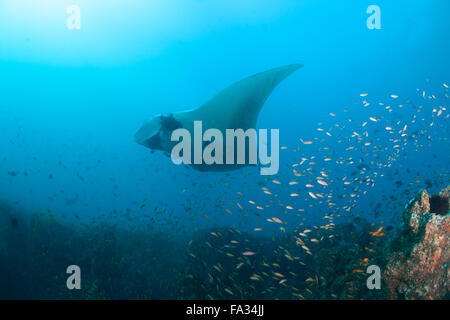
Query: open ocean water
[[363, 126]]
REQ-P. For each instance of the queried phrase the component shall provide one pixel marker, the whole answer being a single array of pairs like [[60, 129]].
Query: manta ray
[[235, 107]]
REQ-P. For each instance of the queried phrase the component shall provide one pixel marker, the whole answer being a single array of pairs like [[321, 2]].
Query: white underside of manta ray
[[236, 107]]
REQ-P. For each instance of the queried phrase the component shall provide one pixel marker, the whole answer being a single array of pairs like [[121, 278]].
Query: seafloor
[[119, 264]]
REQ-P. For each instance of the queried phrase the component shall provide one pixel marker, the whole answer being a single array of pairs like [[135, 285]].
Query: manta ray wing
[[238, 105]]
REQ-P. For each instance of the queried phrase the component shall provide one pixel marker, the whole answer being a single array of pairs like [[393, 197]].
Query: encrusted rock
[[417, 211], [418, 268]]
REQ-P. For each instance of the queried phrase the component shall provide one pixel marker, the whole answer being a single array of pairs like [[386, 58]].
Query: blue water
[[71, 101]]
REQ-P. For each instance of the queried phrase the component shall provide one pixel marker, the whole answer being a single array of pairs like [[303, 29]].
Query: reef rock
[[418, 267]]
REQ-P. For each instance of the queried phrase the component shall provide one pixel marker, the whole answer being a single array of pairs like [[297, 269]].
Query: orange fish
[[377, 233]]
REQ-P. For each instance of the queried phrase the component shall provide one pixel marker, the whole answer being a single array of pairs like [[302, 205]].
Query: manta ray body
[[235, 107]]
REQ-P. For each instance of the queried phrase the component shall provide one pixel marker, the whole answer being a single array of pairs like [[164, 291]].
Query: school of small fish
[[329, 173]]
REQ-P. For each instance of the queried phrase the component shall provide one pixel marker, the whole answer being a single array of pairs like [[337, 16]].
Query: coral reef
[[308, 262], [418, 267], [280, 268]]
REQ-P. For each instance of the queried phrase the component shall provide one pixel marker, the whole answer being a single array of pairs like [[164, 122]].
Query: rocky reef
[[418, 266]]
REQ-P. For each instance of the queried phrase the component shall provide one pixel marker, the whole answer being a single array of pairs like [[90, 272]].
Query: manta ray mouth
[[168, 124], [154, 143], [154, 130]]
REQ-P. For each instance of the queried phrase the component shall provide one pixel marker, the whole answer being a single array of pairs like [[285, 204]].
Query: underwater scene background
[[363, 133]]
